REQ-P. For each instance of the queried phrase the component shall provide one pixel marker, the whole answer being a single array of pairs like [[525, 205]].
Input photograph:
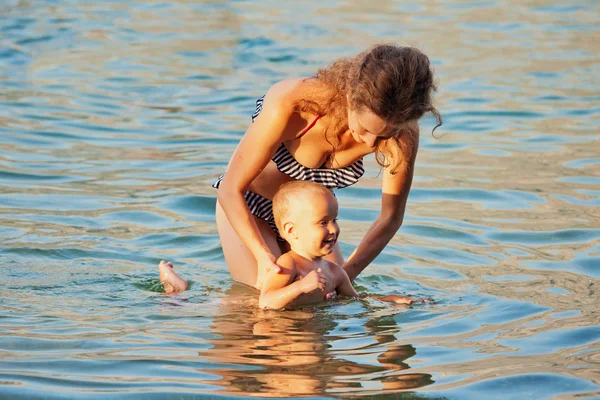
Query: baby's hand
[[313, 281], [396, 298]]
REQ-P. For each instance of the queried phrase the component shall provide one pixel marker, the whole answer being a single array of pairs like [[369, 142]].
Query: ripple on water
[[582, 263], [108, 152], [588, 180], [449, 256], [508, 278], [582, 163], [202, 207], [552, 341], [147, 219], [64, 220], [549, 237], [579, 202], [523, 386], [441, 233], [438, 273], [57, 202], [357, 214], [555, 290], [486, 199]]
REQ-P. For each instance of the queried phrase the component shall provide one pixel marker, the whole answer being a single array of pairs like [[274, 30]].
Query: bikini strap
[[310, 126]]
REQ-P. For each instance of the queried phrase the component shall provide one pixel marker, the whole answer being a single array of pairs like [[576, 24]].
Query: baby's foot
[[171, 282]]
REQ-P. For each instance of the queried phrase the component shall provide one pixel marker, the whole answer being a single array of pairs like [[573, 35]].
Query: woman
[[319, 129]]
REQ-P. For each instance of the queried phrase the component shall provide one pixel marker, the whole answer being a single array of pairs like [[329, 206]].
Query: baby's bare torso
[[332, 275]]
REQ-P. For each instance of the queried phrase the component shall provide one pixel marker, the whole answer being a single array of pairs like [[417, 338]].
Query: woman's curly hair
[[395, 83]]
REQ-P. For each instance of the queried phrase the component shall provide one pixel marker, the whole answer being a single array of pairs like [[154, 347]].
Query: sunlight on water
[[115, 118]]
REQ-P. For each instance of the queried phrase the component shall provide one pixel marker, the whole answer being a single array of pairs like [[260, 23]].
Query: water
[[116, 116]]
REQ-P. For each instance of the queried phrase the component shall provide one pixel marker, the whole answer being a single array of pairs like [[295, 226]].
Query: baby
[[306, 216]]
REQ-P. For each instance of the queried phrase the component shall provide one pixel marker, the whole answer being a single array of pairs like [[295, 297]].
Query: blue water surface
[[116, 116]]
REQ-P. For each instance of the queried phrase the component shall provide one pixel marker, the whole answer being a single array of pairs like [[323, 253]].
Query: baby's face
[[316, 227]]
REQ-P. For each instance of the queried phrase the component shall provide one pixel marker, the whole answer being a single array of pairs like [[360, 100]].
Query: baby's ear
[[289, 230]]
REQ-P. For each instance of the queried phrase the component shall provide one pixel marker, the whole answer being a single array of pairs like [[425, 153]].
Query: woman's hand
[[398, 299], [264, 266]]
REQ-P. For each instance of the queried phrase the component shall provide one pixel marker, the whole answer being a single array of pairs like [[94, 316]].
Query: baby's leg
[[172, 283]]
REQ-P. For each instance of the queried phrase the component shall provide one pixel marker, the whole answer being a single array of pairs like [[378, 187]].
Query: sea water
[[116, 117]]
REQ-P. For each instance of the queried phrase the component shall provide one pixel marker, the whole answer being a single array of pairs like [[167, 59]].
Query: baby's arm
[[277, 291], [344, 286]]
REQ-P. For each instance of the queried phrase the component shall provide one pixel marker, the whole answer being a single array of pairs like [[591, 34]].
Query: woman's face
[[367, 127]]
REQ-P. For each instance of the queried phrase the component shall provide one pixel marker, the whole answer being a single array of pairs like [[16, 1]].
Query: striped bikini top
[[331, 178]]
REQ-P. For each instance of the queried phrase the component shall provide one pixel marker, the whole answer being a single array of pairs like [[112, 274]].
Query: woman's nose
[[369, 139]]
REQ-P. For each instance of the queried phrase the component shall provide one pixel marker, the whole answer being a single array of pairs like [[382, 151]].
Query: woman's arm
[[395, 189], [253, 153]]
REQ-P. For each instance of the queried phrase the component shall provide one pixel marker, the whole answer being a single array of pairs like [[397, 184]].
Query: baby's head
[[306, 215]]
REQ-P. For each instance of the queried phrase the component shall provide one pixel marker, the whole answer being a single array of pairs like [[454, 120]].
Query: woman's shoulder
[[289, 91]]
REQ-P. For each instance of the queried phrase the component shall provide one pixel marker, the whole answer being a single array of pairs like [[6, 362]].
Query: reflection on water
[[286, 353], [115, 117]]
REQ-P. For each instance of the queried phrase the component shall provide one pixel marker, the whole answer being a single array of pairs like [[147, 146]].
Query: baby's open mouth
[[329, 241]]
